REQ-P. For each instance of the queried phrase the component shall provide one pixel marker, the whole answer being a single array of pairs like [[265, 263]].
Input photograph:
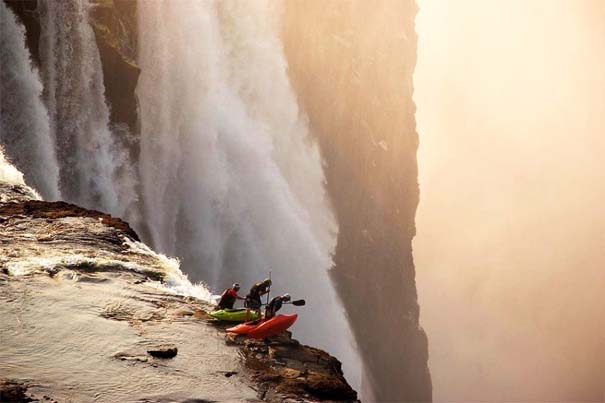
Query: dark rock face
[[286, 369], [163, 352], [12, 391], [351, 63], [115, 27]]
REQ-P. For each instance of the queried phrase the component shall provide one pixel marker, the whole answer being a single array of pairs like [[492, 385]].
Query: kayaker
[[253, 299], [228, 297], [275, 305]]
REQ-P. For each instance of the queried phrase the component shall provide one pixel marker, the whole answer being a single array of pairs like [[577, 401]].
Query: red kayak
[[244, 328], [267, 328]]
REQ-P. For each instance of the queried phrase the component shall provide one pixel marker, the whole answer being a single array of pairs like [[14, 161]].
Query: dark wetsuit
[[253, 300], [273, 306], [227, 299]]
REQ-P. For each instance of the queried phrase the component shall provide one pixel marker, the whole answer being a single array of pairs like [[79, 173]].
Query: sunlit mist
[[510, 249]]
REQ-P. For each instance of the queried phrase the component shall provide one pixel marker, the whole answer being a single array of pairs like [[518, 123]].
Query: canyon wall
[[351, 64]]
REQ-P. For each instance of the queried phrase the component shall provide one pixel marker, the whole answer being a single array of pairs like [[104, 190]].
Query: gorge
[[202, 125]]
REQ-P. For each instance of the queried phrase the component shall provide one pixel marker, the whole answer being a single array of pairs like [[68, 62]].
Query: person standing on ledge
[[253, 299], [275, 305], [228, 298]]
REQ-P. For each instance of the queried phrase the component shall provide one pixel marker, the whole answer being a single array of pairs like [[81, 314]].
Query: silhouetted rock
[[284, 368], [12, 391], [163, 351], [358, 94]]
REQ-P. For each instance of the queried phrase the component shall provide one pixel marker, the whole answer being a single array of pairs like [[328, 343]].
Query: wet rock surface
[[86, 315], [56, 210], [15, 193]]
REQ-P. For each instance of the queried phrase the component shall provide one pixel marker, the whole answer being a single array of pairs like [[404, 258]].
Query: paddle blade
[[299, 302]]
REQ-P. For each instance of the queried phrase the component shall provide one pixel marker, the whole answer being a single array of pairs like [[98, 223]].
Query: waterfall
[[8, 173], [24, 124], [231, 181], [94, 167]]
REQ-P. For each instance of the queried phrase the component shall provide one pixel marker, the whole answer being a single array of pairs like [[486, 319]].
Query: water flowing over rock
[[231, 180], [25, 136], [84, 302], [95, 169]]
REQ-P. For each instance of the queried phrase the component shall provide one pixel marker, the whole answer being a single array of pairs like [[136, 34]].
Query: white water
[[231, 181], [8, 172], [24, 124], [94, 169]]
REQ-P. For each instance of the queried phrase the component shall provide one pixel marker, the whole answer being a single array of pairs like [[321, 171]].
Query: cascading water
[[24, 124], [94, 168], [231, 181]]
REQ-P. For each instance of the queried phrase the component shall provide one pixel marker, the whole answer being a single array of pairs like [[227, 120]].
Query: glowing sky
[[510, 250]]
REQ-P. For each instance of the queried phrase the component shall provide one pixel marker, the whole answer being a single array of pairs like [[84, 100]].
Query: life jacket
[[274, 305], [257, 290], [228, 298]]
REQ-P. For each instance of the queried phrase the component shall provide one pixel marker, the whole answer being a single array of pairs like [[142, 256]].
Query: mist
[[511, 227]]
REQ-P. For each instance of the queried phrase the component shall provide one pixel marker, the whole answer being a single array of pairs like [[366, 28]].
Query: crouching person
[[228, 298], [275, 305]]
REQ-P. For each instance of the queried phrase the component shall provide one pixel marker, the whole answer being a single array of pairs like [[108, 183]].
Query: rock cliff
[[352, 66], [91, 314]]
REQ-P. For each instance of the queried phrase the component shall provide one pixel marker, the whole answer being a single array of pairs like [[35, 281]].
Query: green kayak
[[234, 315]]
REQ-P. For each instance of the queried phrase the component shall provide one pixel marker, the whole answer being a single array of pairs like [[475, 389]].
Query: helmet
[[235, 286], [286, 297], [267, 281]]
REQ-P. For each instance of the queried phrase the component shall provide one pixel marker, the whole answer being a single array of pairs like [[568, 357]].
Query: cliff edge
[[89, 313]]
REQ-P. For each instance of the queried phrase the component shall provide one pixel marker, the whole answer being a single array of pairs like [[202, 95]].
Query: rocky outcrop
[[13, 391], [55, 210], [285, 369], [163, 352], [88, 312], [351, 64]]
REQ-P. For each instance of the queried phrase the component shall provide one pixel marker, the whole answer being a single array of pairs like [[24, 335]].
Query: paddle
[[298, 302], [269, 291]]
